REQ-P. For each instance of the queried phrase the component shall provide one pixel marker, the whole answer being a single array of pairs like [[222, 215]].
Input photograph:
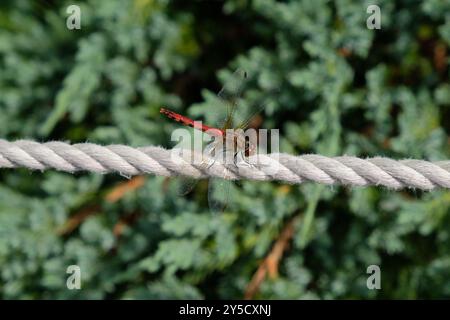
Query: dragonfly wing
[[218, 194], [219, 188], [234, 86], [230, 95], [259, 109], [187, 184]]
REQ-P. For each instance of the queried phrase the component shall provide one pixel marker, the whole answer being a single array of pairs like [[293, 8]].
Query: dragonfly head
[[250, 149]]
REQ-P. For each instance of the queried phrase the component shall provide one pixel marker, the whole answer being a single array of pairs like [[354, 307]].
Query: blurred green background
[[341, 89]]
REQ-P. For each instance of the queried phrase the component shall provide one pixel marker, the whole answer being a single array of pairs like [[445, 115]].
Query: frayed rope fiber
[[345, 170]]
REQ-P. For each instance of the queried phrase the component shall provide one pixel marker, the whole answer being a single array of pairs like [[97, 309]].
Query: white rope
[[130, 161]]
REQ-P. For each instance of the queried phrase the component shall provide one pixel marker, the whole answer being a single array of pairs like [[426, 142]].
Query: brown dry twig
[[271, 262], [440, 57], [117, 193], [123, 188], [344, 52], [127, 220], [74, 221]]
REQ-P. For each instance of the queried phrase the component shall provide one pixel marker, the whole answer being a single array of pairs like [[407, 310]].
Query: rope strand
[[345, 170]]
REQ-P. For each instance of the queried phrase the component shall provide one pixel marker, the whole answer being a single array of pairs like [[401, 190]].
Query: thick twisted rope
[[345, 170]]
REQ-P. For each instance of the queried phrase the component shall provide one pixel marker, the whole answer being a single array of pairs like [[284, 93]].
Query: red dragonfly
[[229, 96]]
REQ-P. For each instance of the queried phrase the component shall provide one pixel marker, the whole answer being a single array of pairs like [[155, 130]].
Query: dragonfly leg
[[210, 163], [240, 157]]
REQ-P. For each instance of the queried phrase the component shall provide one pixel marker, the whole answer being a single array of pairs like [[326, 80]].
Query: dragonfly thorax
[[237, 141]]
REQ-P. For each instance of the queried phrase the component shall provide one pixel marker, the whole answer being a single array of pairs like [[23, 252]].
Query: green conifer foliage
[[332, 87]]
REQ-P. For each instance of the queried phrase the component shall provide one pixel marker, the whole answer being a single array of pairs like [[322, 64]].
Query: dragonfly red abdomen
[[191, 123]]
